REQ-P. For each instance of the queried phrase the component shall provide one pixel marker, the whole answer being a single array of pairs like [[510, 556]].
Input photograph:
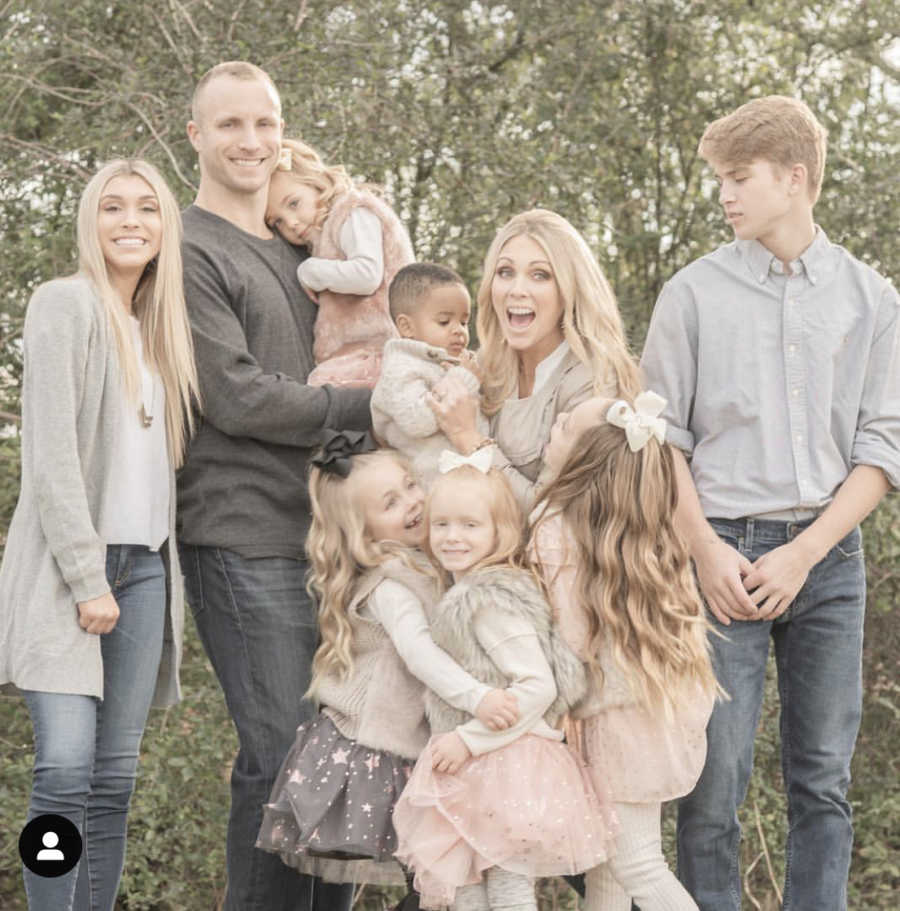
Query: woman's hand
[[456, 411], [449, 752], [498, 710], [99, 615]]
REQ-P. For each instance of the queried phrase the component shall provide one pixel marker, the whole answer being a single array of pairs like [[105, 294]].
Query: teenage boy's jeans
[[818, 652], [258, 626], [86, 751]]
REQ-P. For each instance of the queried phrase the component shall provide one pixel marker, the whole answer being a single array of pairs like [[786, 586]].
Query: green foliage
[[467, 112]]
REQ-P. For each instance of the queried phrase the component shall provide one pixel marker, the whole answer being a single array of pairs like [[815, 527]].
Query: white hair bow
[[482, 459], [641, 422]]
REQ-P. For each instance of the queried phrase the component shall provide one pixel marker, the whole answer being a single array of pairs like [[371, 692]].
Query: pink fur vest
[[350, 319]]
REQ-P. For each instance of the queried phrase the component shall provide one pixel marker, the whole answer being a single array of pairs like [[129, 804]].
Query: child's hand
[[449, 752], [498, 710], [468, 360], [312, 295]]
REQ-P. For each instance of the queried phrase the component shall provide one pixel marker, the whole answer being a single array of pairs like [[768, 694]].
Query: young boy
[[778, 354], [430, 307]]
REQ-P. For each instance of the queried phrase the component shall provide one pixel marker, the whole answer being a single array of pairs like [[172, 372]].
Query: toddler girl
[[484, 813], [357, 245], [625, 600], [332, 800]]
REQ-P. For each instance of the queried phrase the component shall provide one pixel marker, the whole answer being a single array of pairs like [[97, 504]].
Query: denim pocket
[[850, 546]]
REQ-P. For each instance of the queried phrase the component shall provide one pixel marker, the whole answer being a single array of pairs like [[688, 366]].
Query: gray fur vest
[[515, 593]]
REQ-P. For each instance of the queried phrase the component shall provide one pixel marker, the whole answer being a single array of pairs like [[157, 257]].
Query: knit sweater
[[244, 484], [401, 416], [502, 592], [350, 319], [55, 557], [381, 702]]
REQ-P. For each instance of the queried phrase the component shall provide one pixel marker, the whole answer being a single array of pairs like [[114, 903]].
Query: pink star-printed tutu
[[528, 807]]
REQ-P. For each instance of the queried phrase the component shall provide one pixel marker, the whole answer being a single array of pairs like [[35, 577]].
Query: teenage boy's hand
[[720, 571], [449, 752], [498, 710], [776, 577]]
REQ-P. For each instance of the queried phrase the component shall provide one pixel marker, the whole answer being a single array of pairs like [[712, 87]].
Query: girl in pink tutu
[[329, 813], [486, 812], [358, 245], [624, 598]]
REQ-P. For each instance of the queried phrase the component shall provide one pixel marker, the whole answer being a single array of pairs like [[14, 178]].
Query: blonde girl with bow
[[329, 813], [624, 598], [486, 812]]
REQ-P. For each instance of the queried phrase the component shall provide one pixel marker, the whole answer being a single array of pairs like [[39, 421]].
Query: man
[[242, 497], [779, 355]]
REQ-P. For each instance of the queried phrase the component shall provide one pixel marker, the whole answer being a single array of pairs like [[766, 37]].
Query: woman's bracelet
[[481, 444]]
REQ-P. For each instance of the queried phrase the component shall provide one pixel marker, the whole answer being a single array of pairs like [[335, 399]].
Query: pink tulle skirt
[[527, 807], [359, 367]]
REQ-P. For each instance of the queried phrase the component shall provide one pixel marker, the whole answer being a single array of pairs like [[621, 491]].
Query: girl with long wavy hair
[[332, 802], [91, 604], [624, 598]]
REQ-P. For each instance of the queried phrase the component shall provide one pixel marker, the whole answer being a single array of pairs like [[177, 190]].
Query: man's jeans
[[86, 751], [818, 652], [258, 626]]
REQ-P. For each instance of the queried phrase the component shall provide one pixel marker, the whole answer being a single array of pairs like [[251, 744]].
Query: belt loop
[[751, 524]]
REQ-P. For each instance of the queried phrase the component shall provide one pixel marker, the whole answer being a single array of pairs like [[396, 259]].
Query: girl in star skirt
[[330, 809], [484, 812]]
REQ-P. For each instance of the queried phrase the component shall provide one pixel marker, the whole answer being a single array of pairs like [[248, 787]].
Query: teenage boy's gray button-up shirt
[[778, 381]]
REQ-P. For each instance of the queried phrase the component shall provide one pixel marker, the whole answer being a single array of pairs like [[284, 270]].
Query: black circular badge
[[50, 845]]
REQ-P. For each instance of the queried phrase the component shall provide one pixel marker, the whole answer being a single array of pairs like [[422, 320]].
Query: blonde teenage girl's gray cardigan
[[54, 558]]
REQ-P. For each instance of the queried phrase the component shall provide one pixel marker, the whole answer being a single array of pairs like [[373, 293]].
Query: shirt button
[[799, 437], [796, 391], [792, 348]]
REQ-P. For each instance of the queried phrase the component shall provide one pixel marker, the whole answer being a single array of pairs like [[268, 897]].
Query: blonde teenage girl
[[91, 605], [357, 243], [333, 799], [625, 600], [485, 813]]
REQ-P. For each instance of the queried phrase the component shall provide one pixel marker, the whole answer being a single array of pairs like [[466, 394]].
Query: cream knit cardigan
[[71, 410]]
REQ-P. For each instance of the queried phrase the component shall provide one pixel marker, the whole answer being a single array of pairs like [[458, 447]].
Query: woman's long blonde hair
[[591, 321], [340, 552], [633, 580], [328, 180], [158, 302]]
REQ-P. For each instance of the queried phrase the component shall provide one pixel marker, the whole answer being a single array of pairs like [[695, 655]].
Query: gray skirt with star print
[[333, 798]]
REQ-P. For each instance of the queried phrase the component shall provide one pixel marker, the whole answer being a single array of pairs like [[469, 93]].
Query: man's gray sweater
[[244, 483]]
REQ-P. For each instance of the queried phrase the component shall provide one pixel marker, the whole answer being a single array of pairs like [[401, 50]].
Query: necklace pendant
[[146, 419]]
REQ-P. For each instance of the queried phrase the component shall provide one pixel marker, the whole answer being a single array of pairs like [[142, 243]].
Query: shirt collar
[[549, 364], [761, 260]]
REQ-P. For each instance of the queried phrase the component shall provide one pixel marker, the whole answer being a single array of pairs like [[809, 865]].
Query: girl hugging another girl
[[331, 804], [624, 598], [484, 813], [357, 243]]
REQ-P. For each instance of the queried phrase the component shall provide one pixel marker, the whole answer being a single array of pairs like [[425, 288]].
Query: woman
[[91, 601], [551, 336]]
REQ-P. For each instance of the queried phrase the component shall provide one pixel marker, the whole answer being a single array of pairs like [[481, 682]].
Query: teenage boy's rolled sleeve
[[669, 361], [877, 438]]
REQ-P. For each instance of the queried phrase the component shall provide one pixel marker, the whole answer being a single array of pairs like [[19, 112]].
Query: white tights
[[638, 870], [499, 889]]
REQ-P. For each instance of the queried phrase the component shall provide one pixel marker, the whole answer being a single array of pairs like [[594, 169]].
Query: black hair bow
[[338, 446]]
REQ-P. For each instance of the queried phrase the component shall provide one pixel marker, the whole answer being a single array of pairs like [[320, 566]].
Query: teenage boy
[[778, 355], [242, 495]]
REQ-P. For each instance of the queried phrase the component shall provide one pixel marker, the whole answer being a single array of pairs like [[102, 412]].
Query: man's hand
[[776, 578], [720, 571], [99, 615], [449, 752], [498, 710]]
